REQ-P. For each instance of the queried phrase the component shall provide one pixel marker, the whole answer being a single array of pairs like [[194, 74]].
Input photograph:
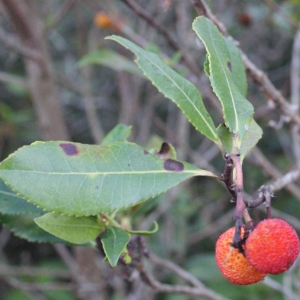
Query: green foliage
[[175, 87], [225, 69], [237, 110], [76, 230], [18, 215], [114, 242], [237, 67], [250, 139], [111, 59], [24, 227], [71, 188], [120, 133], [144, 232], [82, 180], [12, 204]]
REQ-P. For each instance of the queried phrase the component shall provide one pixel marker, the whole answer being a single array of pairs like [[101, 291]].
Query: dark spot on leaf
[[164, 149], [69, 148], [229, 66], [128, 165], [173, 165], [146, 152], [96, 187]]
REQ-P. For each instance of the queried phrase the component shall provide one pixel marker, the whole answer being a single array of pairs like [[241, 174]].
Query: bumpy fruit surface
[[234, 265], [273, 246]]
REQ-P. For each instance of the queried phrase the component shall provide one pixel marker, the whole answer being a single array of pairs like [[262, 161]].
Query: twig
[[178, 289], [64, 9], [203, 10], [5, 77], [19, 48], [295, 93], [211, 228], [275, 7], [69, 260], [239, 189], [270, 91], [285, 180], [86, 73], [32, 271], [278, 287], [273, 172], [50, 286], [266, 191], [176, 269], [227, 176], [171, 41]]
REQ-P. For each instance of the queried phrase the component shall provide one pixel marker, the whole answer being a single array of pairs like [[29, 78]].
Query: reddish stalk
[[240, 208], [239, 190]]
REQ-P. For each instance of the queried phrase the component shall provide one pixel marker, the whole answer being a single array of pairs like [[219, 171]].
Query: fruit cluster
[[271, 248]]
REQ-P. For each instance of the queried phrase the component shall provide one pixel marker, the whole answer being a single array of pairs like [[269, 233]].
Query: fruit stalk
[[240, 209]]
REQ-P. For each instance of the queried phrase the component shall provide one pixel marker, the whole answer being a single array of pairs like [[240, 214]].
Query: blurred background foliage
[[98, 86]]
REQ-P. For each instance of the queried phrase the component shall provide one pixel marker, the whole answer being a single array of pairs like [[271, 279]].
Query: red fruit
[[233, 264], [273, 246]]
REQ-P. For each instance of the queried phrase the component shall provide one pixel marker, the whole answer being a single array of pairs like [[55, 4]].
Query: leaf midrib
[[115, 173], [231, 95], [186, 96]]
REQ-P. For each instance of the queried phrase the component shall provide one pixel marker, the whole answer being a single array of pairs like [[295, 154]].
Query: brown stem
[[240, 203], [240, 208], [227, 176]]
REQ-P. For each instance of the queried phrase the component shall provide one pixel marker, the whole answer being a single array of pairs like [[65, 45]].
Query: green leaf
[[110, 59], [10, 203], [82, 180], [76, 230], [226, 137], [251, 138], [24, 227], [237, 67], [119, 133], [237, 110], [114, 242], [144, 232], [175, 87]]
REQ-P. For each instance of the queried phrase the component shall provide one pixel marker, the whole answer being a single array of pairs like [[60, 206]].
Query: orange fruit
[[102, 20], [233, 264], [273, 246]]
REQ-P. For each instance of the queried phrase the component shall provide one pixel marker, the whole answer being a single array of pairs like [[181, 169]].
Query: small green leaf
[[114, 242], [237, 110], [76, 230], [24, 227], [110, 59], [175, 87], [12, 204], [144, 232], [82, 180], [119, 133], [226, 137], [251, 138]]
